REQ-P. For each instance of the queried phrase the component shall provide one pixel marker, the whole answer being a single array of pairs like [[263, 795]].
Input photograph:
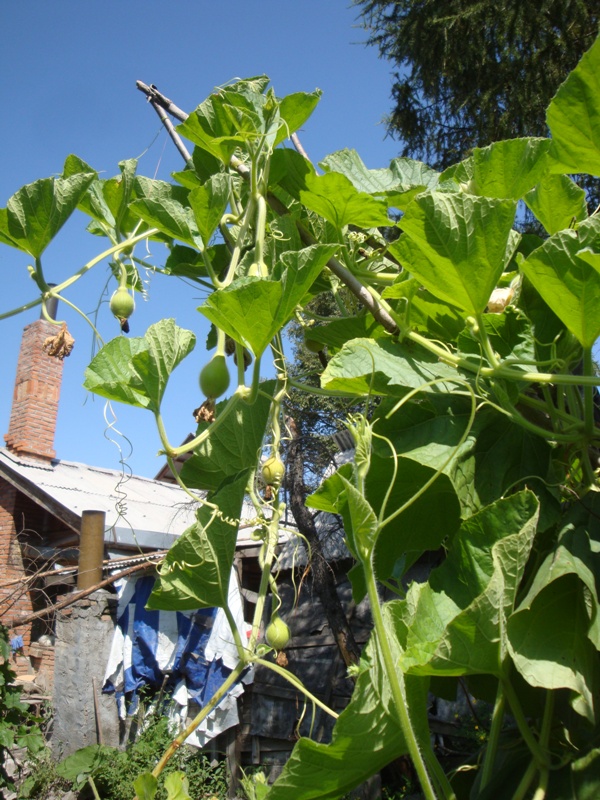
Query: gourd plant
[[483, 448]]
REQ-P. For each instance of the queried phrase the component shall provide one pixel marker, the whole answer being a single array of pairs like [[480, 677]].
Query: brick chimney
[[37, 391]]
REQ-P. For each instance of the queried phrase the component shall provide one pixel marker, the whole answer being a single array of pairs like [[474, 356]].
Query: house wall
[[14, 601]]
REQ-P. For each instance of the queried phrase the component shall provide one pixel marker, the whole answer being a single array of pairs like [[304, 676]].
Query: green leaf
[[497, 454], [578, 780], [381, 366], [36, 213], [510, 334], [365, 526], [166, 346], [397, 184], [197, 568], [455, 623], [7, 734], [253, 310], [145, 786], [574, 118], [456, 245], [209, 202], [135, 371], [557, 202], [211, 128], [185, 262], [334, 197], [329, 771], [111, 373], [33, 740], [289, 170], [336, 333], [550, 646], [177, 786], [564, 270], [294, 110], [166, 207], [233, 445], [84, 762], [563, 656], [425, 523], [509, 169]]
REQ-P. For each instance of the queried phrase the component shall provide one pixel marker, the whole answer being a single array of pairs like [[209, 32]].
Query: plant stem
[[538, 752], [588, 393], [402, 714], [291, 678], [494, 738], [214, 701], [525, 782]]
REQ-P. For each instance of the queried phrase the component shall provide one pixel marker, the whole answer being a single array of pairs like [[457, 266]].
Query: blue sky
[[68, 86]]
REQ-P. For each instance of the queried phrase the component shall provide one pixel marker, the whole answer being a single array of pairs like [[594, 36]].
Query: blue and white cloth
[[189, 652]]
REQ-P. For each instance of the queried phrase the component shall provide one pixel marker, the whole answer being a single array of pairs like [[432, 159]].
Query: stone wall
[[82, 714]]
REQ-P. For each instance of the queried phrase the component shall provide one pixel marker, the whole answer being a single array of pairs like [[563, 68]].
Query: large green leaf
[[289, 170], [37, 211], [495, 456], [365, 738], [336, 333], [233, 445], [557, 202], [253, 310], [579, 780], [382, 366], [197, 568], [135, 371], [294, 110], [209, 202], [456, 244], [574, 118], [426, 522], [177, 786], [397, 184], [334, 197], [455, 623], [166, 207], [212, 129], [565, 271], [509, 169], [550, 646], [556, 629]]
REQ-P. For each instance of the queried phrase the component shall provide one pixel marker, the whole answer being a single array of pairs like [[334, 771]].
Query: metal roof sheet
[[139, 511]]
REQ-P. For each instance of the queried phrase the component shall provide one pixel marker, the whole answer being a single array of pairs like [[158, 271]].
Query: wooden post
[[91, 549]]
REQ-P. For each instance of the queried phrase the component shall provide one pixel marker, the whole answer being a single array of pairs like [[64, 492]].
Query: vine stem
[[495, 730], [86, 267], [588, 393], [231, 679], [291, 678], [537, 751], [398, 695]]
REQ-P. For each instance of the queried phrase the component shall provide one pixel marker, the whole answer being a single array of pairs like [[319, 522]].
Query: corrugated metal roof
[[139, 511]]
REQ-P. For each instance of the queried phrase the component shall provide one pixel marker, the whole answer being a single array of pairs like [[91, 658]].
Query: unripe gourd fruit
[[214, 377], [277, 634], [122, 303], [312, 345], [273, 471]]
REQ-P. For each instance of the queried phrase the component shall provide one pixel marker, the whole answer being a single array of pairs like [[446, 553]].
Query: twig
[[159, 103], [356, 287], [112, 562], [298, 145], [153, 94], [17, 622]]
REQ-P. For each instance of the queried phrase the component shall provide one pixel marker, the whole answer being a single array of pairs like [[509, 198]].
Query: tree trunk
[[323, 581]]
